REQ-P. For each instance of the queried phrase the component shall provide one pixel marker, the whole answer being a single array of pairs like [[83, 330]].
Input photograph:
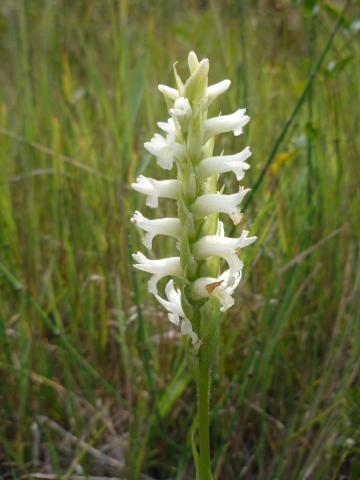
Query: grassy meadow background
[[93, 382]]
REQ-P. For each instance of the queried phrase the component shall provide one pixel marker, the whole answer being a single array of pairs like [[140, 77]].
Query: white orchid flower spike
[[188, 142]]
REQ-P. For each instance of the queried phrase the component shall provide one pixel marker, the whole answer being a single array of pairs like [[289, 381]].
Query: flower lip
[[212, 286]]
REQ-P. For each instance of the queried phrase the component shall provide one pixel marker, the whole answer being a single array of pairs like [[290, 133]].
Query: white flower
[[217, 89], [165, 149], [168, 92], [226, 123], [218, 203], [158, 268], [162, 149], [225, 163], [168, 127], [176, 313], [154, 189], [224, 247], [222, 288], [173, 303], [160, 226], [181, 110]]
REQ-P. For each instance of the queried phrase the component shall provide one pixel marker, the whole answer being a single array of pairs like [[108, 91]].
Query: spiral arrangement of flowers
[[197, 290], [188, 142]]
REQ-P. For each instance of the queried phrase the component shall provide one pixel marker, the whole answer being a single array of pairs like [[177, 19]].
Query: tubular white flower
[[164, 267], [168, 92], [217, 89], [225, 163], [168, 127], [162, 226], [224, 247], [163, 150], [176, 313], [181, 110], [166, 149], [173, 303], [154, 189], [218, 203], [222, 288], [226, 123]]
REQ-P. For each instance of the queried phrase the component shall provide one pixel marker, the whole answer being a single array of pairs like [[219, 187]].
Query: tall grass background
[[93, 380]]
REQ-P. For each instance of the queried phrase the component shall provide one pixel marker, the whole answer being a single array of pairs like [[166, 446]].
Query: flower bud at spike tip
[[193, 62]]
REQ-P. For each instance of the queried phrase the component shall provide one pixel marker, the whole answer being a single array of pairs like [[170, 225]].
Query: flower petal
[[163, 226], [163, 267], [224, 247], [226, 123], [168, 92], [154, 189], [225, 163], [213, 91], [218, 203]]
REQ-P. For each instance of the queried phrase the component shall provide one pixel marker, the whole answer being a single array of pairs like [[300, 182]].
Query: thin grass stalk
[[309, 142]]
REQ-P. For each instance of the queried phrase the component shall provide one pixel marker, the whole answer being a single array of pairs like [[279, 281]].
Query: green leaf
[[174, 390]]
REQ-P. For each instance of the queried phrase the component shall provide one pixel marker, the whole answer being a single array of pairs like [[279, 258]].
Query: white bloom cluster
[[188, 142]]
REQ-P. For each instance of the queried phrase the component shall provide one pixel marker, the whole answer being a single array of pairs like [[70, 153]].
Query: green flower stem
[[204, 467]]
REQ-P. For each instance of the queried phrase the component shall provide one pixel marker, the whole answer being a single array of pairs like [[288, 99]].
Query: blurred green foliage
[[83, 346]]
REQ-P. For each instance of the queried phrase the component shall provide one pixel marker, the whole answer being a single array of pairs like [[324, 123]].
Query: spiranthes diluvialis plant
[[197, 291]]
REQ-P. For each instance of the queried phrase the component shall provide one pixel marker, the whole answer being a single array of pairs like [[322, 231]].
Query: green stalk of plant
[[202, 292]]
